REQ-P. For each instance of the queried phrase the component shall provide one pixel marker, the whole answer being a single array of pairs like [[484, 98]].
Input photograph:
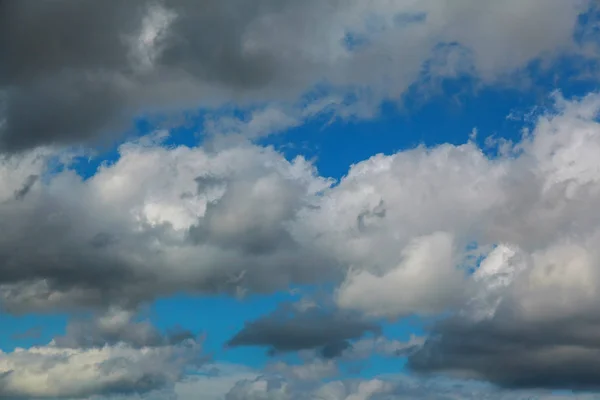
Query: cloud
[[108, 355], [426, 262], [55, 372], [393, 387], [117, 327], [138, 228], [328, 332], [366, 347], [142, 56], [558, 354]]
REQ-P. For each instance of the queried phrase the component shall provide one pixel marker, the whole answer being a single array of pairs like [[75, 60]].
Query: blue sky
[[289, 215]]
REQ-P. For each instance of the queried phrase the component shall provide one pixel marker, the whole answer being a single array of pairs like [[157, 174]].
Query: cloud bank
[[85, 69]]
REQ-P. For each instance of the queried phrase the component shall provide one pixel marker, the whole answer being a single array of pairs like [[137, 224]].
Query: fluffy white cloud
[[385, 217], [156, 221], [428, 265], [53, 372]]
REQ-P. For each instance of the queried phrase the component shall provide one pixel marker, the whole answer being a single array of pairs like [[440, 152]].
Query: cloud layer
[[400, 234], [85, 69]]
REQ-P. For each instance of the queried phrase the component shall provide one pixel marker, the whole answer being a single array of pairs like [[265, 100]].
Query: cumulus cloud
[[87, 83], [108, 355], [426, 262], [55, 372], [159, 220]]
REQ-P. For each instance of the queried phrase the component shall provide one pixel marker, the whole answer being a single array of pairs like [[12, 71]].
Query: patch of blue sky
[[30, 329], [183, 129], [448, 116]]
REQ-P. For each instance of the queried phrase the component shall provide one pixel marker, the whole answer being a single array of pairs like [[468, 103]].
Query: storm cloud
[[328, 332], [559, 354], [78, 72]]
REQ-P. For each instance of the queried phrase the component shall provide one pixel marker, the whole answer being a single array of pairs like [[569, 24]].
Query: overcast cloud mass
[[86, 68], [494, 244]]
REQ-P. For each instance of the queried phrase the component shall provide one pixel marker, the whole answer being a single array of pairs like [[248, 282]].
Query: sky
[[299, 200]]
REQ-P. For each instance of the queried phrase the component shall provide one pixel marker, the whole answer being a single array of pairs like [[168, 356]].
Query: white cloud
[[156, 221], [52, 372], [364, 348]]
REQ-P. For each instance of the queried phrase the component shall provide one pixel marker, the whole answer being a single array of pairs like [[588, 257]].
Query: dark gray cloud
[[329, 332], [513, 353], [77, 71], [61, 62], [192, 47], [76, 66]]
